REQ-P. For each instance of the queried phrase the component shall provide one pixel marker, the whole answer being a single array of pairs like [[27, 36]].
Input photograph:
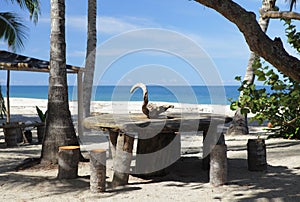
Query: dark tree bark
[[59, 129], [258, 42]]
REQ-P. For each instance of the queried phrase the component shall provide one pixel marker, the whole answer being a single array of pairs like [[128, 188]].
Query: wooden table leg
[[113, 136], [205, 155], [122, 159]]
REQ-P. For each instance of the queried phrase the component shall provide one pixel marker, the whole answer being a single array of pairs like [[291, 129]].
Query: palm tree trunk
[[59, 125], [90, 56], [240, 123]]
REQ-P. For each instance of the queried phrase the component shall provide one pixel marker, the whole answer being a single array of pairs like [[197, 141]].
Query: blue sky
[[220, 41]]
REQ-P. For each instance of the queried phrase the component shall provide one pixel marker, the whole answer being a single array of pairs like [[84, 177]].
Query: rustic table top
[[170, 121]]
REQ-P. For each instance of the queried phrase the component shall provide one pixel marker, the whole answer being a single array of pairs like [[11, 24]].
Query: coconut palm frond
[[33, 6], [12, 30]]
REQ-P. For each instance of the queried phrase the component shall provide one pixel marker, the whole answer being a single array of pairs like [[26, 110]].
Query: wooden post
[[218, 165], [122, 159], [68, 159], [206, 156], [98, 170], [257, 160]]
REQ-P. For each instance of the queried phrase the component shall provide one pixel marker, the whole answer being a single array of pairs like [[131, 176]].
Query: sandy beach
[[185, 181]]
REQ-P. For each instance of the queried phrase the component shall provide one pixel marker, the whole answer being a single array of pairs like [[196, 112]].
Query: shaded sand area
[[185, 181]]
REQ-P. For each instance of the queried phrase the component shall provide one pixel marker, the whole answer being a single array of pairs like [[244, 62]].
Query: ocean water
[[183, 94]]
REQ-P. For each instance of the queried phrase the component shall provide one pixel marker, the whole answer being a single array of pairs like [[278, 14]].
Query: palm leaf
[[33, 6], [12, 30], [41, 114]]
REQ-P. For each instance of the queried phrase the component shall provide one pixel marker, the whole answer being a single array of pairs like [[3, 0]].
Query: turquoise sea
[[183, 94]]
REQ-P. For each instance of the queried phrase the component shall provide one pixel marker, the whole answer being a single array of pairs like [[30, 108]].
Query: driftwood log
[[68, 159], [151, 110], [98, 170]]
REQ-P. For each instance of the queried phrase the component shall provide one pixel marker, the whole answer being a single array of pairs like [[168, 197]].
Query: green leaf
[[13, 30], [238, 78], [41, 114], [261, 78], [234, 106]]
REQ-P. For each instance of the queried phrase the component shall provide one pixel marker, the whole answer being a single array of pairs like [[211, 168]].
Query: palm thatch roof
[[16, 62], [12, 61]]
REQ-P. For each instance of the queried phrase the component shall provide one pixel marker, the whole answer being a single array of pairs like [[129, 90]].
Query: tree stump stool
[[68, 159], [256, 150], [98, 170], [12, 133]]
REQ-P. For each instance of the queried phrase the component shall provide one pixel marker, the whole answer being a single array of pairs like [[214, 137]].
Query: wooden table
[[158, 139]]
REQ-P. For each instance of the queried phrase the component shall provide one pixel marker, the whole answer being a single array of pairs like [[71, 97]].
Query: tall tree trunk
[[240, 124], [90, 56], [59, 125]]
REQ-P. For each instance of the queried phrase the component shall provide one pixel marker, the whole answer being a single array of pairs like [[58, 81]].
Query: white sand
[[185, 181]]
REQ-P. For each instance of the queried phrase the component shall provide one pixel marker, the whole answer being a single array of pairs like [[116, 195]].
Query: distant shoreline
[[27, 106], [174, 94]]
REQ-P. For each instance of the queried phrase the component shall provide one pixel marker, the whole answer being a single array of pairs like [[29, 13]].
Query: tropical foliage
[[32, 6], [41, 114], [12, 28], [281, 104]]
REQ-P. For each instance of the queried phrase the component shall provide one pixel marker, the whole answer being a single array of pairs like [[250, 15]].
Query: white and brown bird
[[150, 110]]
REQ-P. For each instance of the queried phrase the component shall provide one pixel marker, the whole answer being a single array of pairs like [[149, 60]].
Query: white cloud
[[227, 46], [152, 41], [77, 53], [110, 25]]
